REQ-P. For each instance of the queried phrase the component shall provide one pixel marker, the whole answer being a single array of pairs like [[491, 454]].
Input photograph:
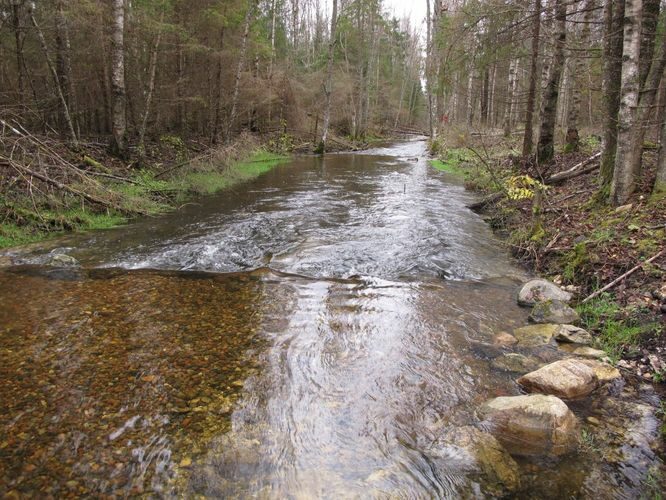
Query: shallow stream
[[309, 334]]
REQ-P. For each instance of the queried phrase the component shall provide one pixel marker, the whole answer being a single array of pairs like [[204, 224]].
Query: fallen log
[[482, 203], [579, 169], [620, 278]]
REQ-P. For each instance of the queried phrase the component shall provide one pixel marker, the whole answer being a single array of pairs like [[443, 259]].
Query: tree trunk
[[573, 115], [611, 83], [624, 183], [659, 189], [546, 145], [58, 84], [18, 41], [329, 80], [151, 86], [510, 92], [429, 35], [239, 68], [63, 64], [528, 137], [118, 144]]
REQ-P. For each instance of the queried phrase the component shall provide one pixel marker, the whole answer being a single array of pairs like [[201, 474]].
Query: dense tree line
[[132, 70], [544, 69]]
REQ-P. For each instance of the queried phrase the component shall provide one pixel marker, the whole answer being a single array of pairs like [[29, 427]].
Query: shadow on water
[[324, 356]]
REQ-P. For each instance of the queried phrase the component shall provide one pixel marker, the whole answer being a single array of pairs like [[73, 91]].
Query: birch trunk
[[510, 91], [329, 80], [659, 189], [546, 146], [624, 182], [118, 119]]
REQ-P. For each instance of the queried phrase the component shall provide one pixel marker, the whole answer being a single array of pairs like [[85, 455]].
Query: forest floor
[[581, 244], [48, 188]]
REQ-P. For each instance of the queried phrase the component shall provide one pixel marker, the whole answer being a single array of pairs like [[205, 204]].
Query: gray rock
[[532, 425], [567, 379], [535, 335], [514, 362], [574, 335], [539, 290], [553, 311], [62, 260]]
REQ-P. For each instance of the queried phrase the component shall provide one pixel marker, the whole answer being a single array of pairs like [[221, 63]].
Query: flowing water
[[310, 334]]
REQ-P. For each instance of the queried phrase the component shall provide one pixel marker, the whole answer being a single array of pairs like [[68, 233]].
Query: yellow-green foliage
[[522, 187]]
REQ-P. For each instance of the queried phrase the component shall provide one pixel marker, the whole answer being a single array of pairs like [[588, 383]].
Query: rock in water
[[567, 378], [535, 335], [62, 260], [504, 339], [553, 311], [532, 425], [573, 335], [514, 362], [539, 290], [480, 457]]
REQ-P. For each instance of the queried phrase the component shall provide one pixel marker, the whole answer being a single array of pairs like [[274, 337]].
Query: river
[[308, 334]]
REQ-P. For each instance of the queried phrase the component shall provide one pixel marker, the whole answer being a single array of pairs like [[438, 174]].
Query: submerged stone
[[535, 335], [504, 339], [514, 362], [532, 425], [62, 260], [573, 335], [480, 457], [567, 378], [539, 290], [553, 311]]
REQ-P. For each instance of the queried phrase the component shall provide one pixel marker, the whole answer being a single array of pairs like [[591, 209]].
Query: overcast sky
[[414, 9]]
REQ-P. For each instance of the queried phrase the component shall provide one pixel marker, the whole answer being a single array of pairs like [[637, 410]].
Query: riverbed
[[310, 334]]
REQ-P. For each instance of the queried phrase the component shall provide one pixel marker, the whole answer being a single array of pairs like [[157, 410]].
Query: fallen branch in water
[[620, 278]]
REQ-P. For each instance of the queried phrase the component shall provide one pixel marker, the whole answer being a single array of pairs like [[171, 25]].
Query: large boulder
[[532, 425], [514, 362], [535, 335], [573, 335], [553, 311], [486, 465], [567, 379], [539, 290]]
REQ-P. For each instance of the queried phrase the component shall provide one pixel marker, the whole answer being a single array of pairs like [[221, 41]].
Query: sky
[[414, 9]]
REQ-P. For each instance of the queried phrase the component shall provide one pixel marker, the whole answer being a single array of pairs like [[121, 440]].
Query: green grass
[[451, 161], [617, 331], [146, 195]]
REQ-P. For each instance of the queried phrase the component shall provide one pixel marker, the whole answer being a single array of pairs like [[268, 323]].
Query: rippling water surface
[[310, 334]]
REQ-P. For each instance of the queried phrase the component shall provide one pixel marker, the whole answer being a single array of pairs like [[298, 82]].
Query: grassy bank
[[563, 233], [147, 190]]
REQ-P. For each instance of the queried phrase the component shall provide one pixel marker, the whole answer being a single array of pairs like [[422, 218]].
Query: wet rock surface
[[553, 311], [532, 425], [535, 335], [538, 290], [515, 362], [566, 379], [573, 335]]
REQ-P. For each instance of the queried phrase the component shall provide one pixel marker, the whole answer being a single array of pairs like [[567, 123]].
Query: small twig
[[620, 278]]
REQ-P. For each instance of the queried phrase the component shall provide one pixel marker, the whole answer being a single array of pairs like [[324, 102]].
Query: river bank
[[561, 232], [74, 190]]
